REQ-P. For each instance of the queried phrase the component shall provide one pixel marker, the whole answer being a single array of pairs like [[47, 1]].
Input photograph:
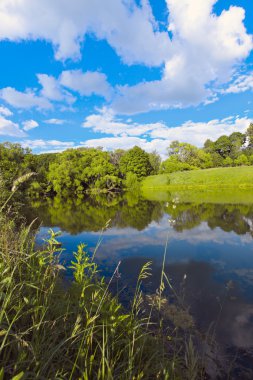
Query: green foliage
[[136, 161], [237, 140], [228, 161], [223, 146], [184, 156], [131, 181], [75, 171], [155, 162], [12, 162], [172, 164], [249, 135], [242, 160], [52, 331]]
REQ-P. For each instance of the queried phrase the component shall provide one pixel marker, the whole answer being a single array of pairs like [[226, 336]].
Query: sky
[[120, 73]]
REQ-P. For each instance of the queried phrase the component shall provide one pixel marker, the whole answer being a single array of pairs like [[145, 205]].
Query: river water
[[208, 260]]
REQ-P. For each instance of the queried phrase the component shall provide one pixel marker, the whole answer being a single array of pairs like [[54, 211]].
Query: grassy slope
[[209, 178]]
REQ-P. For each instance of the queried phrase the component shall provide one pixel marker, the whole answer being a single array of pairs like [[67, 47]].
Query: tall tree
[[136, 160]]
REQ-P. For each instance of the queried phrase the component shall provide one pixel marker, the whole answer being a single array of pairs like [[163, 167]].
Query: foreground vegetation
[[51, 328], [239, 177]]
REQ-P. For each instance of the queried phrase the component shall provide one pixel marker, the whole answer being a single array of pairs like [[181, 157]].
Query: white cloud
[[9, 128], [206, 49], [197, 133], [26, 100], [5, 111], [105, 122], [86, 83], [52, 90], [127, 142], [29, 124], [126, 26], [241, 83], [203, 53], [46, 145], [158, 136], [55, 121]]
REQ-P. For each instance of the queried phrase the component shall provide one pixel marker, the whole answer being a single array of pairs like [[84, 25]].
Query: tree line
[[76, 171], [80, 170], [233, 150]]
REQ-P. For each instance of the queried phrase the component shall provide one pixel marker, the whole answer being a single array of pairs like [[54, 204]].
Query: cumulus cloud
[[197, 133], [198, 54], [52, 90], [106, 122], [206, 49], [55, 121], [29, 124], [86, 83], [9, 128], [65, 23], [158, 136], [5, 111], [26, 100]]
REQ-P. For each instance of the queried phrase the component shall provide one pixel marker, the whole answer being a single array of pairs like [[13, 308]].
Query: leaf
[[2, 333], [18, 376], [2, 373]]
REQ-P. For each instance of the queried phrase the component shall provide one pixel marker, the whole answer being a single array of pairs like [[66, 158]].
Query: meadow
[[231, 177]]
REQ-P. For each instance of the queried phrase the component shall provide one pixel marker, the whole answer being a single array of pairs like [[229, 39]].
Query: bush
[[241, 160]]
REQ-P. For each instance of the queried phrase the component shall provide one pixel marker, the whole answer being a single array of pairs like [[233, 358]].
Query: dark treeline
[[76, 171]]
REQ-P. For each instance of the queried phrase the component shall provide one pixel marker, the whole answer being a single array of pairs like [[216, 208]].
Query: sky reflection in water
[[210, 243]]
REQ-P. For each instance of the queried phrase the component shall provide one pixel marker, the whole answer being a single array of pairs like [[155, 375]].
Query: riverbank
[[216, 178]]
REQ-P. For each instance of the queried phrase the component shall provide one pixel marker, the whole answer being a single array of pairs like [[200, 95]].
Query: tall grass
[[50, 329]]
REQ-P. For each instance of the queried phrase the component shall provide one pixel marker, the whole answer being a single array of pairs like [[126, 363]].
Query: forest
[[76, 171]]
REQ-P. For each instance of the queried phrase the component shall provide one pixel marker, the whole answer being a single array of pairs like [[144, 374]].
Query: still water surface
[[209, 255]]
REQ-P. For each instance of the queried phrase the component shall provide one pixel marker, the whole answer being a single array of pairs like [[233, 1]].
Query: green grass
[[234, 177]]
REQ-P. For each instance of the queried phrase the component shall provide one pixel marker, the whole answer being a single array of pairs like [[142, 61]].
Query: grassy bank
[[233, 177], [50, 329]]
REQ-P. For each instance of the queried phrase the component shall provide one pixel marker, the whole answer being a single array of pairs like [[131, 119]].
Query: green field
[[234, 177]]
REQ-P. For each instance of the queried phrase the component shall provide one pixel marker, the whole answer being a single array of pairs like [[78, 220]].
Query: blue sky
[[120, 73]]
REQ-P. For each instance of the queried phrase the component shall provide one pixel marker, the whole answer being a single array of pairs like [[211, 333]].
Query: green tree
[[249, 135], [136, 161], [223, 146], [228, 161], [237, 140], [12, 162], [241, 160], [77, 170], [155, 162]]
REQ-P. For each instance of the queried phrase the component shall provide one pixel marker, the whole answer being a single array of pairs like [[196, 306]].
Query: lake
[[209, 257]]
